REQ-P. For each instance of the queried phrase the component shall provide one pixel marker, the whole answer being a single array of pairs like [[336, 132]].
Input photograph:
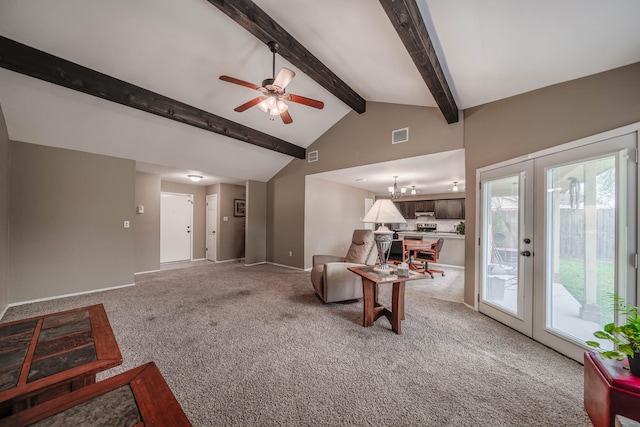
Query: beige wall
[[199, 213], [146, 226], [66, 222], [4, 213], [541, 119], [256, 222], [332, 212], [231, 233], [356, 140]]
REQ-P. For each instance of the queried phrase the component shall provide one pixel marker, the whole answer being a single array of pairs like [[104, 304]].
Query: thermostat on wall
[[140, 209]]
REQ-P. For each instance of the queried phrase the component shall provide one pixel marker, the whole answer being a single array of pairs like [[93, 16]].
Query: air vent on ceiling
[[313, 156], [400, 135]]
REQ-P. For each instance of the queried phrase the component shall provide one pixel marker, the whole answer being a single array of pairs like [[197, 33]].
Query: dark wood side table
[[609, 390], [46, 356], [372, 308], [138, 397]]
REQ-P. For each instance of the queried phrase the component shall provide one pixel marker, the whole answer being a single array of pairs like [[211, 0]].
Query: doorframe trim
[[206, 219], [591, 139]]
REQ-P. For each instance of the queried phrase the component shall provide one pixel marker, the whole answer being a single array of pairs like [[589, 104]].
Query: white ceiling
[[489, 49]]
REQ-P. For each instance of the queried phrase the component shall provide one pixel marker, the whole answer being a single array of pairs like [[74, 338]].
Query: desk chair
[[396, 253], [430, 256]]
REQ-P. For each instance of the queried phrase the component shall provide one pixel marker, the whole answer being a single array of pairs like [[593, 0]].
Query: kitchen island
[[452, 250]]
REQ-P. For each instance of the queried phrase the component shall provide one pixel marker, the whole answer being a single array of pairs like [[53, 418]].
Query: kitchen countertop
[[449, 234]]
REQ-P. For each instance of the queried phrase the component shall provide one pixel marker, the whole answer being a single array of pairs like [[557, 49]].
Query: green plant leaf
[[602, 335], [615, 355], [593, 344], [626, 349]]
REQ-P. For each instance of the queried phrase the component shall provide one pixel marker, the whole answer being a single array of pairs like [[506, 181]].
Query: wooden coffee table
[[47, 356], [139, 397], [373, 310]]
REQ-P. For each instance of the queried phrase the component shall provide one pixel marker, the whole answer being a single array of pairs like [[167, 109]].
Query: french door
[[558, 238], [507, 223]]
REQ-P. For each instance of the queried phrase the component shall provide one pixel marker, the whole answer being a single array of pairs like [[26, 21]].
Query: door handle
[[525, 253]]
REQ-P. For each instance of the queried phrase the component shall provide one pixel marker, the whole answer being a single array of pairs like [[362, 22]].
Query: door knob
[[527, 240], [525, 253]]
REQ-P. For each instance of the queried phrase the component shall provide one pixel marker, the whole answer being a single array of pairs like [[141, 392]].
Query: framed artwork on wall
[[238, 207]]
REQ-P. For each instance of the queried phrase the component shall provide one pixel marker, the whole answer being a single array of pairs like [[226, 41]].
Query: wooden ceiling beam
[[253, 19], [32, 62], [409, 24]]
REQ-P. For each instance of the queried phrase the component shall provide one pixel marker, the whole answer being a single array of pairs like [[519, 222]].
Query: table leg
[[369, 293], [397, 307]]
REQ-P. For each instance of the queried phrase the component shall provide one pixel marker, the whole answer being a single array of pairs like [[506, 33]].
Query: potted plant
[[625, 337], [460, 228]]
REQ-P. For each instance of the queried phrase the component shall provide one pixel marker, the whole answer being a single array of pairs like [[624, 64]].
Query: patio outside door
[[506, 288], [551, 262], [586, 209]]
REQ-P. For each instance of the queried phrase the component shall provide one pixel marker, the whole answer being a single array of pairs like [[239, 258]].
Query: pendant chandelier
[[395, 192]]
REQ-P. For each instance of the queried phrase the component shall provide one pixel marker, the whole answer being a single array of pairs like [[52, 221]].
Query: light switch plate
[[127, 224]]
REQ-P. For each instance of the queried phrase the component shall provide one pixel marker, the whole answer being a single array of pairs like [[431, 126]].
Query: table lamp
[[383, 212]]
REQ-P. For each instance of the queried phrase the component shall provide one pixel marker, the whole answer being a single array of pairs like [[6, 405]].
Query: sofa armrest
[[332, 268], [340, 283], [324, 259]]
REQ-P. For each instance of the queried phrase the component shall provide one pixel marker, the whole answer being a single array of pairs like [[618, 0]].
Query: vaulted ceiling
[[487, 50]]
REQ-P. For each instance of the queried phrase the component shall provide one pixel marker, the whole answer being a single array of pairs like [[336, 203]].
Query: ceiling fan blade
[[239, 82], [286, 117], [284, 77], [249, 104], [305, 101]]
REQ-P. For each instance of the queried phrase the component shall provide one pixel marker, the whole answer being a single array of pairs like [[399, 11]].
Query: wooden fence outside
[[572, 234]]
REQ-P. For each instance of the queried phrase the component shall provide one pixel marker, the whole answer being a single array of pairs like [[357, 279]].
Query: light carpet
[[254, 346]]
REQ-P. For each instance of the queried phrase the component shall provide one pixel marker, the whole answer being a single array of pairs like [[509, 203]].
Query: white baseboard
[[471, 307], [145, 272], [199, 259], [255, 263], [15, 304], [4, 312], [286, 266], [231, 260]]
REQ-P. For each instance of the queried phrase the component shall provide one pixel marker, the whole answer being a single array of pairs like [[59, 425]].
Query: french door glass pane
[[501, 230], [581, 239]]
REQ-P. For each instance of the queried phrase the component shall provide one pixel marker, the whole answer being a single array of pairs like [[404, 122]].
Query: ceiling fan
[[273, 96]]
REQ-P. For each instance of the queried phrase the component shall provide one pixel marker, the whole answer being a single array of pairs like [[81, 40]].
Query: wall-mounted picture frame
[[239, 207]]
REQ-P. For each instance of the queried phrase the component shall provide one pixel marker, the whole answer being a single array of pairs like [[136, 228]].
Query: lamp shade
[[384, 211]]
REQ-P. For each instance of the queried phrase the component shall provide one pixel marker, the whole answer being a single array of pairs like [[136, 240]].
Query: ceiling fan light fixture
[[413, 190], [455, 188], [279, 108]]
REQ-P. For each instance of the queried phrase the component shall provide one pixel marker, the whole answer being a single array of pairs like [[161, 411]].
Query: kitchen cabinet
[[450, 209], [407, 209], [444, 209], [425, 205]]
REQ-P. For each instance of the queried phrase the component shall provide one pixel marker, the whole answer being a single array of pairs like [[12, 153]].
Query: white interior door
[[212, 221], [176, 218]]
